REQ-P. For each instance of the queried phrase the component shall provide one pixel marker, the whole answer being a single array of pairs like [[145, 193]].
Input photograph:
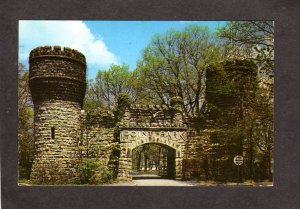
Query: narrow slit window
[[52, 133]]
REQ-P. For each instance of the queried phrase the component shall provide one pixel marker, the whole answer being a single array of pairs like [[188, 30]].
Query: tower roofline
[[57, 52]]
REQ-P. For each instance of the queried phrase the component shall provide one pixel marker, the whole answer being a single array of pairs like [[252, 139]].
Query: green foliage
[[92, 99], [240, 114], [25, 182], [148, 155], [93, 172], [123, 101], [105, 88], [174, 64], [25, 124], [250, 39], [237, 84], [92, 105]]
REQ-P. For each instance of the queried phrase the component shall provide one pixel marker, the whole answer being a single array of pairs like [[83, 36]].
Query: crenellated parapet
[[103, 119], [57, 51], [147, 116]]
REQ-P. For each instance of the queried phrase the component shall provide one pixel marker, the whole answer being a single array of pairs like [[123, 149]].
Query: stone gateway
[[57, 79], [140, 127]]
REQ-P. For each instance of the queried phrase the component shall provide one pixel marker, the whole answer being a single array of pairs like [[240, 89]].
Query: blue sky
[[102, 42]]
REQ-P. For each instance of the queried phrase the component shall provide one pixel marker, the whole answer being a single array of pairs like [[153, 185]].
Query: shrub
[[93, 172]]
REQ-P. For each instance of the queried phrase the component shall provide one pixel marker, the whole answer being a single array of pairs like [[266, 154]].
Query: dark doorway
[[153, 160]]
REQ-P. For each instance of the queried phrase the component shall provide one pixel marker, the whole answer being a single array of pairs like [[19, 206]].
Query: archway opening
[[153, 160]]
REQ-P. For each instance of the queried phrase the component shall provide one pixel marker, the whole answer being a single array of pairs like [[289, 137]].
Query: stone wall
[[56, 158], [194, 155], [98, 136], [152, 116]]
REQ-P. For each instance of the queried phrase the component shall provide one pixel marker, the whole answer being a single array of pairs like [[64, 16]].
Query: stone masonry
[[57, 79], [57, 83], [156, 124]]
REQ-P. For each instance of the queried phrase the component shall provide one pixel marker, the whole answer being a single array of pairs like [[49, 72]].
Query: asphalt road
[[159, 182], [151, 180]]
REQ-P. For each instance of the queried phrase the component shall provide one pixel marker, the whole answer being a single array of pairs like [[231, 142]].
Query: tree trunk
[[251, 151], [139, 161], [146, 162], [158, 161]]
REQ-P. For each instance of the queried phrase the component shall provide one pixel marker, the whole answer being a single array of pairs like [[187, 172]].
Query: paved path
[[153, 182], [159, 182]]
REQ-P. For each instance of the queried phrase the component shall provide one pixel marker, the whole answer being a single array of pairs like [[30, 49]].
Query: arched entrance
[[172, 139], [153, 160]]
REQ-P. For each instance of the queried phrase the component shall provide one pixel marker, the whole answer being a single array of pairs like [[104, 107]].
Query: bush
[[93, 172]]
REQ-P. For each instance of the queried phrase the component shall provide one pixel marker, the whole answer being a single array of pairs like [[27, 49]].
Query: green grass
[[26, 182]]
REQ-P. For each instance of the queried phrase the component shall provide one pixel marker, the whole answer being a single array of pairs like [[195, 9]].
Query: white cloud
[[73, 34]]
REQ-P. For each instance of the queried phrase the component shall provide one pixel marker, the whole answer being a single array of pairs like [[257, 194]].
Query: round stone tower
[[57, 81]]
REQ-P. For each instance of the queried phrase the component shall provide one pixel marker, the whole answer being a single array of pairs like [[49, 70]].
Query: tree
[[231, 97], [263, 128], [149, 155], [93, 97], [103, 91], [174, 64], [25, 124], [252, 40], [252, 117]]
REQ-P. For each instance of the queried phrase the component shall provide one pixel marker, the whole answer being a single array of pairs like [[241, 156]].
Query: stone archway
[[134, 137], [158, 162]]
